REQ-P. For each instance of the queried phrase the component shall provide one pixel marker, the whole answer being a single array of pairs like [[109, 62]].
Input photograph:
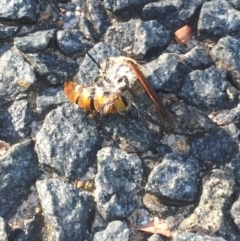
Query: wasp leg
[[160, 108]]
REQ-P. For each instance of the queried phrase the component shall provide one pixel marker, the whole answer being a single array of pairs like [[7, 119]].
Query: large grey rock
[[49, 98], [7, 31], [218, 18], [15, 121], [226, 53], [166, 72], [115, 231], [68, 141], [172, 14], [210, 214], [189, 120], [68, 212], [72, 42], [18, 10], [235, 212], [205, 88], [117, 183], [217, 146], [98, 15], [52, 68], [193, 236], [16, 76], [34, 42], [18, 172], [137, 38], [175, 178]]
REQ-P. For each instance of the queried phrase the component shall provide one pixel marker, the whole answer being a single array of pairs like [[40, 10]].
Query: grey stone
[[115, 231], [98, 16], [235, 3], [18, 172], [88, 70], [226, 52], [224, 117], [218, 18], [195, 237], [86, 27], [68, 141], [235, 212], [117, 183], [72, 42], [175, 178], [172, 14], [124, 7], [217, 146], [155, 237], [234, 165], [69, 15], [166, 72], [205, 88], [197, 58], [51, 7], [137, 38], [18, 10], [14, 71], [49, 98], [3, 231], [189, 120], [125, 134], [67, 211], [52, 68], [15, 121], [210, 214], [7, 31], [34, 42]]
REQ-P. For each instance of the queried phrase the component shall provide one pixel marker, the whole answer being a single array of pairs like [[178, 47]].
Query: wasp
[[112, 91]]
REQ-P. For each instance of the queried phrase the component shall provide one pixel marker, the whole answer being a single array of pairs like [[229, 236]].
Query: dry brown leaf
[[44, 15], [157, 226], [4, 147], [183, 34]]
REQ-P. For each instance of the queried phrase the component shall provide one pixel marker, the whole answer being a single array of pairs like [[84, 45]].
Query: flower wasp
[[112, 91]]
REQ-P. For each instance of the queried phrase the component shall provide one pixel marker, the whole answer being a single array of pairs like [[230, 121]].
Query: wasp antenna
[[91, 57]]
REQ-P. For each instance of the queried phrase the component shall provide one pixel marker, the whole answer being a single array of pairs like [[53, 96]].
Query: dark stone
[[116, 229], [72, 42], [68, 212], [49, 98], [16, 76], [18, 172], [189, 120], [34, 42], [98, 16], [117, 183], [197, 58], [86, 27], [71, 139], [166, 72], [18, 10], [15, 121], [125, 134], [218, 18], [226, 52], [7, 31], [216, 146], [137, 38], [172, 14], [52, 68], [193, 236], [175, 178], [205, 88]]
